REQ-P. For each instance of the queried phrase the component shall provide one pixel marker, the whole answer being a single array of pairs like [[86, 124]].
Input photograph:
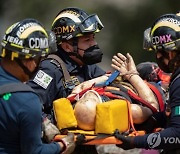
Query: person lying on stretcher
[[85, 108]]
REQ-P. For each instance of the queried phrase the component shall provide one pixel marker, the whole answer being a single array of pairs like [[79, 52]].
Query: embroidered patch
[[177, 110], [42, 79]]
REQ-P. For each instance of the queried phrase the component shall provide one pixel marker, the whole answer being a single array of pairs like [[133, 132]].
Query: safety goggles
[[91, 24]]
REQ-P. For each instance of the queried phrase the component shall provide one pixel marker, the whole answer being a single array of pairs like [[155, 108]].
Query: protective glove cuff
[[127, 141]]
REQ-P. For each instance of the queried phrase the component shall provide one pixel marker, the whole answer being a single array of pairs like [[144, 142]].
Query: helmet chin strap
[[75, 44], [25, 69], [75, 47]]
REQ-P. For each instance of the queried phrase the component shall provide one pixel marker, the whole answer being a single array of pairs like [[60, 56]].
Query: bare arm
[[128, 70], [88, 84]]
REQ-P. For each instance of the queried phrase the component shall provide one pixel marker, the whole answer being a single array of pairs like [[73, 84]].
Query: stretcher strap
[[15, 87], [130, 117], [158, 95], [72, 98], [62, 64]]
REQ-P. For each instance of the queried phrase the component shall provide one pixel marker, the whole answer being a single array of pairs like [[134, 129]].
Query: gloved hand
[[49, 130], [149, 125], [127, 141], [69, 143]]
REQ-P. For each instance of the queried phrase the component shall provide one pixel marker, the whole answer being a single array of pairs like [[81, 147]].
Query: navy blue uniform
[[20, 122], [55, 89], [169, 138]]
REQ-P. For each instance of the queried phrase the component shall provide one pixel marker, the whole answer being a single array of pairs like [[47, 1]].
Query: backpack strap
[[18, 87], [61, 63], [68, 81], [15, 87]]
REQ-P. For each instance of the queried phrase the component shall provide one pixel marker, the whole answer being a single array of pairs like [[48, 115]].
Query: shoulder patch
[[42, 79], [177, 111]]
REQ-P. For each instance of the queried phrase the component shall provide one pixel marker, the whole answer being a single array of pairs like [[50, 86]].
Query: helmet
[[164, 34], [74, 22], [25, 39], [148, 71], [151, 72]]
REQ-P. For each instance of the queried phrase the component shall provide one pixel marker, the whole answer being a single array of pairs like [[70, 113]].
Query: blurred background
[[124, 21]]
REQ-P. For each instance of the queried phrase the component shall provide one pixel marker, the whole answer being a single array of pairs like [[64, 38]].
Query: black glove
[[148, 126], [157, 120], [69, 144], [127, 141]]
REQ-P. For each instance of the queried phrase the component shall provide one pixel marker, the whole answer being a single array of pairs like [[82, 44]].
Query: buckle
[[69, 84]]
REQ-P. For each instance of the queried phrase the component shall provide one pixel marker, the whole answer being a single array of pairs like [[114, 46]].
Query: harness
[[17, 87], [123, 93]]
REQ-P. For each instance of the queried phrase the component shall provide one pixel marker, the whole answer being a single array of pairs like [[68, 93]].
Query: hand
[[69, 143], [127, 141], [124, 64], [120, 63], [131, 64], [50, 130]]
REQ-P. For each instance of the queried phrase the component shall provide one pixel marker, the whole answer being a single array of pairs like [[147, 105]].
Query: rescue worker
[[75, 32], [164, 36], [23, 46], [79, 52]]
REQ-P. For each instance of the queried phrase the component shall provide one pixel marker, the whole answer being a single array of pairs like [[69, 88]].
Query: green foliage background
[[124, 20]]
